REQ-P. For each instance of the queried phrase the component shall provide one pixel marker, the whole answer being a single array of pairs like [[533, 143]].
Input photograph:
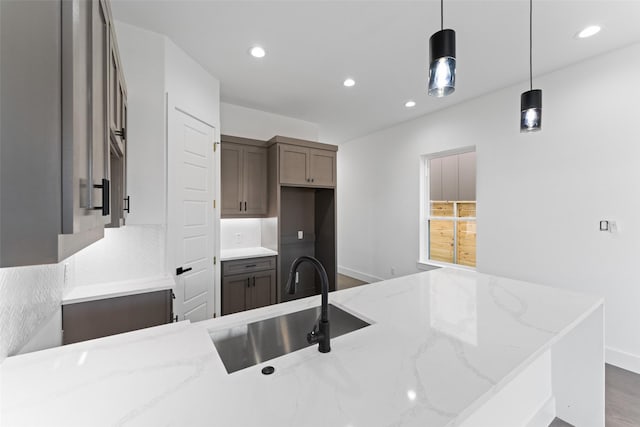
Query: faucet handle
[[313, 337]]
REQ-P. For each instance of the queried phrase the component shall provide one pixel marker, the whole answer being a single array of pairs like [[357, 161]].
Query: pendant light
[[442, 60], [531, 100]]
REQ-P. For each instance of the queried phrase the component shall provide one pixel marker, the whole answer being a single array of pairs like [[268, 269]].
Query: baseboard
[[622, 359], [358, 275]]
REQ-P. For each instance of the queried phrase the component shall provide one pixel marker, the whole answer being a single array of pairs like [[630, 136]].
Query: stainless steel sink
[[248, 345]]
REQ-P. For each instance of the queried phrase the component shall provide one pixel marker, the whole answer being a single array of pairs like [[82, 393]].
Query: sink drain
[[268, 370]]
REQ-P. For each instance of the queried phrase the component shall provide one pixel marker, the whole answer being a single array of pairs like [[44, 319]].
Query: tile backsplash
[[29, 297], [127, 253], [240, 233]]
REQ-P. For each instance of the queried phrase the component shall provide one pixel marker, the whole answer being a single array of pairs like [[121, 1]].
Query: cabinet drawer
[[248, 265]]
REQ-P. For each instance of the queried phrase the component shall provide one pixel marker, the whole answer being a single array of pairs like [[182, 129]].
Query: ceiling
[[312, 46]]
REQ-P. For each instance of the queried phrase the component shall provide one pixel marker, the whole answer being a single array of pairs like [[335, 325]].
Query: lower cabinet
[[254, 287], [87, 320]]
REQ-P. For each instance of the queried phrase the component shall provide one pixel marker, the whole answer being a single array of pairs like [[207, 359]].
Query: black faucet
[[320, 333]]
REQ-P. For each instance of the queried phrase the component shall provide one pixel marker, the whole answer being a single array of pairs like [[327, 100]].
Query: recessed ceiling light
[[257, 52], [349, 82], [410, 104], [591, 30]]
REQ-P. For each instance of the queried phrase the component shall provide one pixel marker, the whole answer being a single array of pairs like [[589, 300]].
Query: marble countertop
[[117, 289], [441, 344], [244, 253]]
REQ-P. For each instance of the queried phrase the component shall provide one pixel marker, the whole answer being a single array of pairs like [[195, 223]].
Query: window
[[448, 220]]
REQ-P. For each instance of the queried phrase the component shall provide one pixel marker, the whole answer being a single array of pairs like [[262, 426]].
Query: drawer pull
[[250, 266]]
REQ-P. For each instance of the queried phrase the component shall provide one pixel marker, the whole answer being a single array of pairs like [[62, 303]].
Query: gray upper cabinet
[[453, 178], [322, 167], [294, 165], [308, 167], [255, 180], [55, 163], [243, 180]]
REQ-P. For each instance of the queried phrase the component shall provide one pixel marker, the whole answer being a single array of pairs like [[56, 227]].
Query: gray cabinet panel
[[294, 165], [435, 179], [255, 180], [450, 178], [99, 99], [263, 290], [235, 293], [244, 180], [54, 113], [30, 132], [322, 167], [231, 179], [248, 283], [95, 319], [467, 176]]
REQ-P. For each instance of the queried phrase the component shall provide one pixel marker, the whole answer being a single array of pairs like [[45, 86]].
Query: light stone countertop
[[453, 338], [117, 289], [244, 253]]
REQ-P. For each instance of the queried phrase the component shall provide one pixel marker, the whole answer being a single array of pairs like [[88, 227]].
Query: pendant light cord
[[442, 14], [531, 44]]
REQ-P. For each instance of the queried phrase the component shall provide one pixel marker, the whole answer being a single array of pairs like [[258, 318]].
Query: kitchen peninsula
[[445, 348]]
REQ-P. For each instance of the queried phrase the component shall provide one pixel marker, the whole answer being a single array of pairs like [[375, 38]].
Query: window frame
[[424, 263]]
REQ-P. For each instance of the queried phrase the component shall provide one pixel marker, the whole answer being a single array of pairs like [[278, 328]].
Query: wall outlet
[[300, 235], [238, 238]]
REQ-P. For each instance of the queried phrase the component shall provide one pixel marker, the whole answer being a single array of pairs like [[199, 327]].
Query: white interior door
[[190, 235]]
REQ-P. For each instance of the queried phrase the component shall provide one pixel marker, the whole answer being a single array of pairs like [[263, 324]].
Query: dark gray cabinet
[[243, 180], [100, 318], [453, 178], [302, 189], [248, 283], [55, 176]]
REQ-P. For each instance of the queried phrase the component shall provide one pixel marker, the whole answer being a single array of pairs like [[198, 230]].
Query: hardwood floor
[[346, 282], [622, 399]]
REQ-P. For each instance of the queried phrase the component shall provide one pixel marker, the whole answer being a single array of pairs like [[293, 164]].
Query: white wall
[[191, 87], [249, 123], [142, 55], [540, 196]]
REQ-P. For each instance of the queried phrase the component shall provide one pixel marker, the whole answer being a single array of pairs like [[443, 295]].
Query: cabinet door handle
[[127, 204], [311, 179], [245, 206], [254, 281], [240, 206], [105, 197], [248, 282], [122, 133]]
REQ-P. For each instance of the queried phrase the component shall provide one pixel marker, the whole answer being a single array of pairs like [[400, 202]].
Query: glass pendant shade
[[531, 111], [442, 63]]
